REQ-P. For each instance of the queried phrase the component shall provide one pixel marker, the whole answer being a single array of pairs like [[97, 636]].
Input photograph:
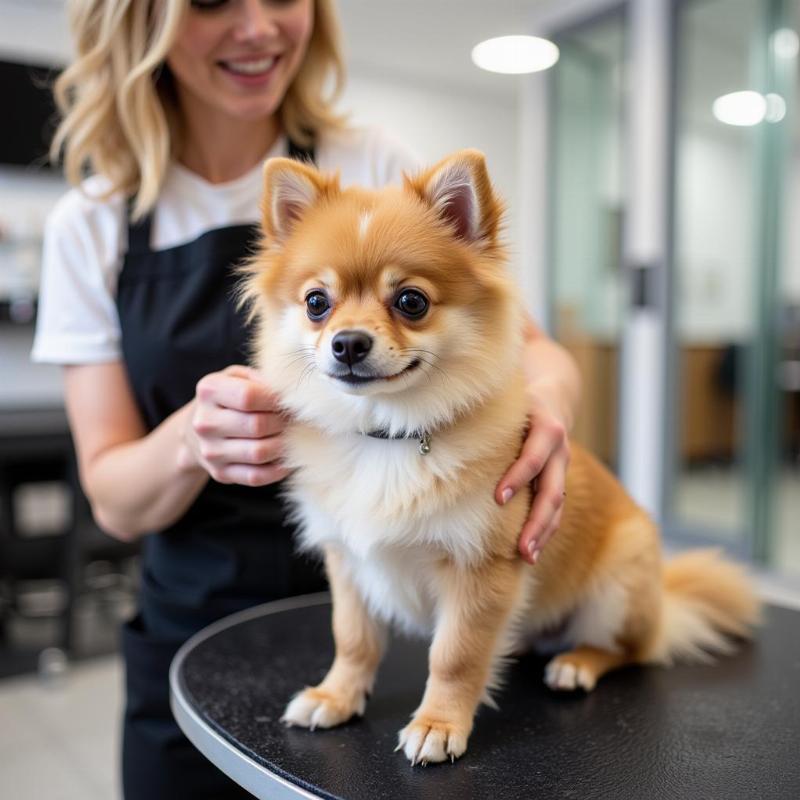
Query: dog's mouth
[[354, 379]]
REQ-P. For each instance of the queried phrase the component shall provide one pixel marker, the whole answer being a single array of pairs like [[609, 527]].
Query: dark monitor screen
[[27, 104]]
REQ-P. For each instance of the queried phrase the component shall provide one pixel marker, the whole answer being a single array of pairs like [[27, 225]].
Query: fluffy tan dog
[[391, 330]]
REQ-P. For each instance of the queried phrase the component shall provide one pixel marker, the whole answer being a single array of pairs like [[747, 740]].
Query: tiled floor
[[60, 740], [60, 729]]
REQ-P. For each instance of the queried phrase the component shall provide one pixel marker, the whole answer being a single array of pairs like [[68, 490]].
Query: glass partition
[[736, 280], [587, 209], [732, 467], [783, 546], [713, 269]]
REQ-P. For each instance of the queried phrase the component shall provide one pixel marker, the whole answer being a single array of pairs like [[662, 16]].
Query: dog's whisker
[[305, 357], [307, 352], [430, 363], [302, 351], [306, 373], [421, 350], [434, 366], [427, 373]]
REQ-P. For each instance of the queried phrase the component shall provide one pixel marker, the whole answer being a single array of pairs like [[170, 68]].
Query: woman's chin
[[251, 109]]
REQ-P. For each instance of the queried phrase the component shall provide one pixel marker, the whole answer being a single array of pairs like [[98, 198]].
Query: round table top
[[713, 731]]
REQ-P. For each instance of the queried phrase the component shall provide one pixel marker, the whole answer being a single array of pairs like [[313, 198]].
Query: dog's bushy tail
[[708, 602]]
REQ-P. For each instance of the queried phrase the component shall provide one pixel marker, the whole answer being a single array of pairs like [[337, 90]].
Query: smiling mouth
[[250, 67], [352, 379]]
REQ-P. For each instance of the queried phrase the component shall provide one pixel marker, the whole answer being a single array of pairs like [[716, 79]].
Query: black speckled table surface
[[731, 730]]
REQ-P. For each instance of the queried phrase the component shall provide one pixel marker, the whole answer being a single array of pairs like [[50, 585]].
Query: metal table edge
[[249, 774]]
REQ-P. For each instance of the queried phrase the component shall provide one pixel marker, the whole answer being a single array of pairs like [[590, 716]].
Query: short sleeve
[[390, 158], [77, 320], [366, 157]]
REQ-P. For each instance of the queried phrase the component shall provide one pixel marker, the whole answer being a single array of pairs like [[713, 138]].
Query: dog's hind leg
[[610, 629], [582, 667], [360, 641]]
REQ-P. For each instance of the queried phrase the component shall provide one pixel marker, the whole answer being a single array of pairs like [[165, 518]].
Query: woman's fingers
[[242, 451], [545, 513], [215, 421], [235, 427], [544, 438], [250, 475], [544, 459], [237, 389], [253, 462]]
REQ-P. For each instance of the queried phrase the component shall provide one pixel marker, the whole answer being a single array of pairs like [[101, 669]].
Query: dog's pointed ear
[[459, 190], [290, 189]]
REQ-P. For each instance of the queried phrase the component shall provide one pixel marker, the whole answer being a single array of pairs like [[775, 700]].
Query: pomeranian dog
[[390, 329]]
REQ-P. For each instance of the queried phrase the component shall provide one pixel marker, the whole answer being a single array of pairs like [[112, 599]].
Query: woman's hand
[[233, 429], [543, 461]]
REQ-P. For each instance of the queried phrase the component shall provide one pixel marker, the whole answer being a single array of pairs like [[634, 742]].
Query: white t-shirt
[[85, 240]]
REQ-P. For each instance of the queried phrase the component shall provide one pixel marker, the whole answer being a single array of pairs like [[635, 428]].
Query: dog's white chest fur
[[398, 585], [380, 502]]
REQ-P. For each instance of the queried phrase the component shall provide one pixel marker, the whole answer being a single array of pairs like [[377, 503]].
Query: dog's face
[[393, 296]]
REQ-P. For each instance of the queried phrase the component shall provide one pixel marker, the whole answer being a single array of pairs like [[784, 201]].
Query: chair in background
[[65, 558]]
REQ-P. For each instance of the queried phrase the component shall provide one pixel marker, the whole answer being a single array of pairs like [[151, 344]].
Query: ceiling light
[[515, 55], [785, 43], [776, 108], [740, 108]]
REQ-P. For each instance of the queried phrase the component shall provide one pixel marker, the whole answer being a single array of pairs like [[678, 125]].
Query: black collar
[[423, 437]]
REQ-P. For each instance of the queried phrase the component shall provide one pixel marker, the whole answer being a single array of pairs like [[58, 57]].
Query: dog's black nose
[[350, 347]]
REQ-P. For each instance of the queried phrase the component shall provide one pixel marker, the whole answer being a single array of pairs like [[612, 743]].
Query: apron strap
[[307, 154], [139, 233]]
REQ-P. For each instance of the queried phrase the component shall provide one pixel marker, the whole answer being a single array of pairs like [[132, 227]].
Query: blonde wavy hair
[[118, 103]]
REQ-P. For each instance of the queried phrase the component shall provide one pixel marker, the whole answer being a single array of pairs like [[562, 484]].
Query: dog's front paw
[[319, 708], [426, 739]]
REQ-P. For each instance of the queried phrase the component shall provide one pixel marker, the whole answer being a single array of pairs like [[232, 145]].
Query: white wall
[[715, 246], [436, 120], [34, 31], [716, 251], [790, 261]]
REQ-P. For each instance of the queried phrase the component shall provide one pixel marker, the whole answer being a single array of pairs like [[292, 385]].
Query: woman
[[172, 107]]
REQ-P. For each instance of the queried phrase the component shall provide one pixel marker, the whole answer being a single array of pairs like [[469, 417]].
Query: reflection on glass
[[713, 275], [785, 539], [587, 217], [738, 416]]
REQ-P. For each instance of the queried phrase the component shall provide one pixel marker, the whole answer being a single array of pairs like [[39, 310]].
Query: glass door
[[586, 190], [733, 476], [713, 271], [674, 165], [781, 152]]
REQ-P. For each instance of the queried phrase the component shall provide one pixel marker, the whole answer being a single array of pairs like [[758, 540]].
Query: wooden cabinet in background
[[706, 419], [707, 416], [596, 423]]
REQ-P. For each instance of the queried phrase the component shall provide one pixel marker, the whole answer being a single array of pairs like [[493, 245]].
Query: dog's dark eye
[[411, 303], [317, 305]]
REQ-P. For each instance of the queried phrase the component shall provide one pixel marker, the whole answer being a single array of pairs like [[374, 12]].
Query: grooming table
[[731, 730]]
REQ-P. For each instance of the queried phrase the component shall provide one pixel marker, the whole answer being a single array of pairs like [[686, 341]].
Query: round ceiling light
[[515, 55], [740, 108], [785, 43]]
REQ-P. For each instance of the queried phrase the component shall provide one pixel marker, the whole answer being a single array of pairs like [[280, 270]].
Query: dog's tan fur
[[600, 583]]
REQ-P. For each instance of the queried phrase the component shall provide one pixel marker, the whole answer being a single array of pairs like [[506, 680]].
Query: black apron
[[231, 549]]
